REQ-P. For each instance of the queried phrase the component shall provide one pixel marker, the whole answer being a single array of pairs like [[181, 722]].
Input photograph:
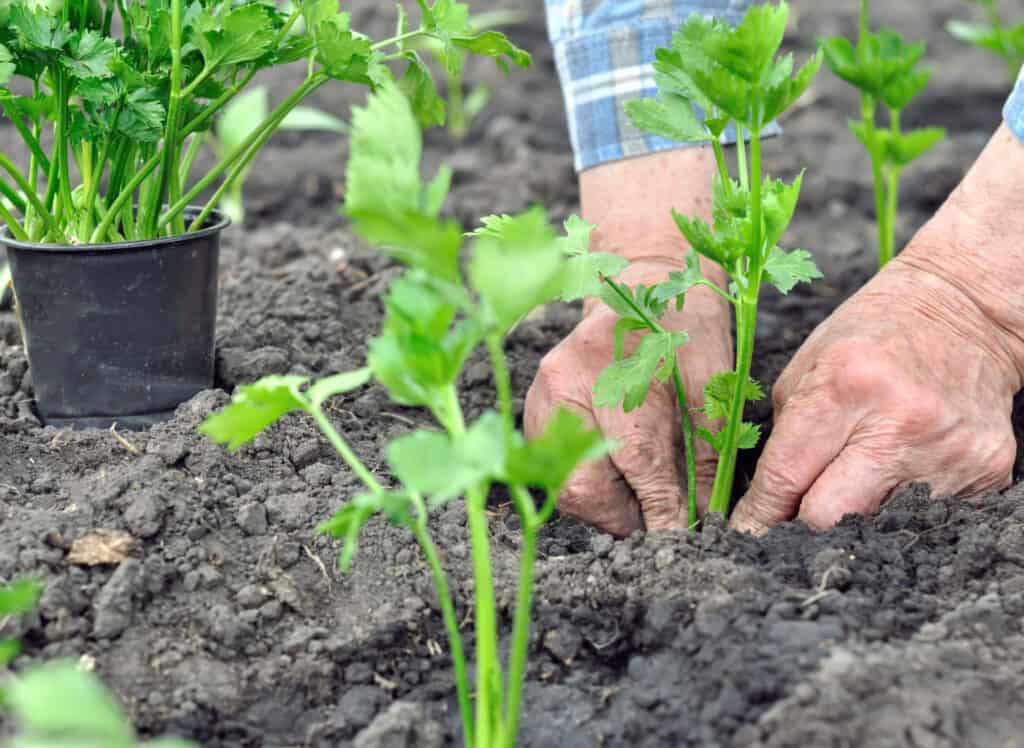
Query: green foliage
[[734, 76], [435, 317], [128, 111], [239, 120], [885, 69], [995, 35], [59, 705], [628, 380]]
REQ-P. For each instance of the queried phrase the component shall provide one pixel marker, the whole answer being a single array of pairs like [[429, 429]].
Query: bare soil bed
[[229, 623]]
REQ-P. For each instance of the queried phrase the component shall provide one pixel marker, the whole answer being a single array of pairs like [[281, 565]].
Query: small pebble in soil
[[252, 518]]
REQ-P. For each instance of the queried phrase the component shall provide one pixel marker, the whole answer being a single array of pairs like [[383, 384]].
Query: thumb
[[809, 434]]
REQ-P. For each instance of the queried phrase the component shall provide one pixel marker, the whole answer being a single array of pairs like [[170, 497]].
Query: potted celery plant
[[114, 260]]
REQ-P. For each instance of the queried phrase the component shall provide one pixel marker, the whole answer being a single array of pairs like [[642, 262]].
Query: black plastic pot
[[118, 333]]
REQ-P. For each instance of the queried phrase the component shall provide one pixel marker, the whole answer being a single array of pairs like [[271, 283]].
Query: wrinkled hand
[[909, 381], [642, 484]]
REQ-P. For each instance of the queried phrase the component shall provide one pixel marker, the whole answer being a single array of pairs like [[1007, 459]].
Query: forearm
[[975, 244], [631, 202]]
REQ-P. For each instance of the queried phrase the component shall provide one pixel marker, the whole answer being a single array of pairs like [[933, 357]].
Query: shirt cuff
[[605, 52], [1013, 112]]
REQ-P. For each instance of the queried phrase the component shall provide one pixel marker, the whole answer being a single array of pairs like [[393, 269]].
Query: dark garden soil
[[230, 624]]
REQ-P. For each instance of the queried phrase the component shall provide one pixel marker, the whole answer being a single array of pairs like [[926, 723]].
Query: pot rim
[[217, 222]]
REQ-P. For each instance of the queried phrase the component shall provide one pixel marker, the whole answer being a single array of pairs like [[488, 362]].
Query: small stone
[[170, 450], [113, 607], [403, 725], [252, 596], [601, 545], [306, 453], [145, 516], [271, 611], [252, 518]]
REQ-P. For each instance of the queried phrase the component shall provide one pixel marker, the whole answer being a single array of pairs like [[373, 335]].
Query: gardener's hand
[[642, 484], [912, 379]]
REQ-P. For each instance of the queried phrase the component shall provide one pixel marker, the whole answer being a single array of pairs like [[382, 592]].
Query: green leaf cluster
[[885, 68], [458, 293], [716, 80], [127, 91], [726, 73], [995, 35]]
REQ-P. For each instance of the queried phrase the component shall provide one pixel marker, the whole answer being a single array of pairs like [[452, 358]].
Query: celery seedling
[[237, 122], [435, 317], [883, 67], [119, 86], [996, 35], [735, 76], [464, 107]]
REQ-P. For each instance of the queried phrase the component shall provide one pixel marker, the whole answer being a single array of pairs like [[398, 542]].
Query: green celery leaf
[[516, 266], [240, 117], [310, 119], [778, 96], [324, 389], [419, 353], [444, 467], [747, 50], [778, 201], [349, 521], [680, 283], [841, 58], [622, 299], [749, 437], [89, 55], [903, 89], [385, 197], [241, 35], [719, 392], [346, 56], [978, 35], [253, 409], [6, 65], [59, 699], [669, 116], [450, 17], [585, 270], [904, 149], [37, 29], [785, 269], [628, 381], [418, 85], [495, 45], [724, 246], [549, 460], [19, 596]]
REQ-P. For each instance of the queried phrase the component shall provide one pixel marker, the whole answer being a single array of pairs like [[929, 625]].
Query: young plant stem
[[12, 224], [488, 668], [451, 621], [520, 632], [51, 224], [341, 446], [171, 151], [502, 382], [240, 156], [31, 141], [686, 423], [868, 106], [892, 198], [126, 193], [689, 449], [12, 196], [746, 326]]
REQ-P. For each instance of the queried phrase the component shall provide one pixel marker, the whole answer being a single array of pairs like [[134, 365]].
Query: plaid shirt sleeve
[[1013, 112], [604, 50]]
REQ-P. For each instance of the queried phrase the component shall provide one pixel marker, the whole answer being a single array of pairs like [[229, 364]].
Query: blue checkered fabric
[[1013, 112], [604, 50]]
